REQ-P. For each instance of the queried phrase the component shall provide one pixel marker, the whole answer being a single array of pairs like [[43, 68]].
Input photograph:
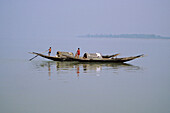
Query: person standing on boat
[[77, 53], [49, 51]]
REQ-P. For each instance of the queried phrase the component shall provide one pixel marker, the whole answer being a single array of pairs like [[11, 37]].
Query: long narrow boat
[[72, 58]]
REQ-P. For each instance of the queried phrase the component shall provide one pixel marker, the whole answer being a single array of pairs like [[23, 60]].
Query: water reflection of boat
[[86, 66], [75, 67]]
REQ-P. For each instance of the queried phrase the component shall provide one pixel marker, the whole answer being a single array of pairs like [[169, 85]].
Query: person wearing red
[[77, 53], [49, 51]]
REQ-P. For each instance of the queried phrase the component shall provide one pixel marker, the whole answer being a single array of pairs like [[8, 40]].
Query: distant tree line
[[126, 36]]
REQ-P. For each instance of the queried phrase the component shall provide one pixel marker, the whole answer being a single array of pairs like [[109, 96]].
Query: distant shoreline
[[144, 36]]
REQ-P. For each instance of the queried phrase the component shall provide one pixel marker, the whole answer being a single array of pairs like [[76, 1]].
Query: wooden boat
[[67, 57]]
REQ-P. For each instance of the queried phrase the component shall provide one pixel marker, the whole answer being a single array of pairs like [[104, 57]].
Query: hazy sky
[[52, 18]]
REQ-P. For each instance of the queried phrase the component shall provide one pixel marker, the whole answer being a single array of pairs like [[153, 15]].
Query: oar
[[37, 55], [33, 58]]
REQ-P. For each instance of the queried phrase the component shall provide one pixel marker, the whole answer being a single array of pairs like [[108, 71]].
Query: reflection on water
[[77, 68], [49, 70]]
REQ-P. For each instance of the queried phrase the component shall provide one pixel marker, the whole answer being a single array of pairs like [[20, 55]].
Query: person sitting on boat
[[49, 51], [77, 53]]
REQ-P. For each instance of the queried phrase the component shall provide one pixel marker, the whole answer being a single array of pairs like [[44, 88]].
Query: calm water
[[43, 86]]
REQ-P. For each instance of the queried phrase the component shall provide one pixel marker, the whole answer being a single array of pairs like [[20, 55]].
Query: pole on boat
[[36, 56], [33, 58]]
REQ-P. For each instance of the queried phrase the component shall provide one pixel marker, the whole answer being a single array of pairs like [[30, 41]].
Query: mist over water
[[41, 85], [44, 86]]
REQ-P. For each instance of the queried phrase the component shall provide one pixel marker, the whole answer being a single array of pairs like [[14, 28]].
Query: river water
[[44, 86]]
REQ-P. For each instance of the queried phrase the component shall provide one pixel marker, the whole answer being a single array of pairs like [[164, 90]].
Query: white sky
[[44, 18]]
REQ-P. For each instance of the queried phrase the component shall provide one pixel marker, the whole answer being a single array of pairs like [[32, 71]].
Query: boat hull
[[69, 58]]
